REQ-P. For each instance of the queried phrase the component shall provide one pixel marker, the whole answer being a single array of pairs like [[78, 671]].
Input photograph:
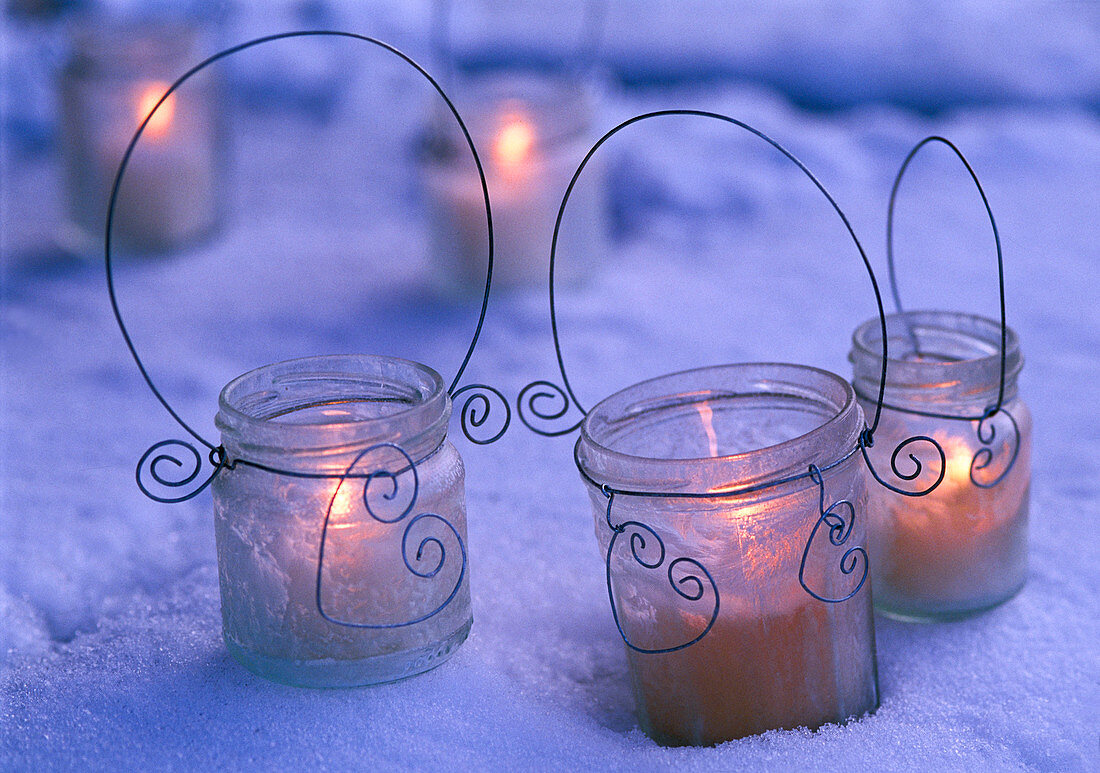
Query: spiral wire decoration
[[689, 586], [429, 544], [839, 531], [984, 428]]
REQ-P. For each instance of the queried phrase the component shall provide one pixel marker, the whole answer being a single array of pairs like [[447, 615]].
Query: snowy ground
[[109, 624]]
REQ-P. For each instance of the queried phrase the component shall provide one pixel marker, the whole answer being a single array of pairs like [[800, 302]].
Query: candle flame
[[514, 142], [160, 122], [706, 415], [959, 457]]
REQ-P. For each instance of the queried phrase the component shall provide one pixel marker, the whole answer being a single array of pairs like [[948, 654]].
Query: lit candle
[[513, 147], [160, 122], [774, 656], [533, 133], [330, 577], [167, 197], [168, 194], [961, 548]]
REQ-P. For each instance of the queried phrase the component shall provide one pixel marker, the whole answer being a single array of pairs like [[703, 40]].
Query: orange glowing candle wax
[[756, 670], [947, 546]]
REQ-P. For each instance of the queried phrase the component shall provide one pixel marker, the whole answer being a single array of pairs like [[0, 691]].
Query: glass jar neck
[[725, 428], [319, 413], [945, 363]]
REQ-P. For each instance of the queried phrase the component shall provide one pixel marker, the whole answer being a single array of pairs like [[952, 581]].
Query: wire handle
[[474, 412], [983, 472], [688, 577], [544, 402], [892, 275]]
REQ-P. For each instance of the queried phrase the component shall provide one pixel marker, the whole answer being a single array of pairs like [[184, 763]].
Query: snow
[[110, 648]]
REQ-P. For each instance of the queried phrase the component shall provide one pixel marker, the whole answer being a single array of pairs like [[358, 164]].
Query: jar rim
[[965, 326], [823, 445], [428, 403], [974, 377]]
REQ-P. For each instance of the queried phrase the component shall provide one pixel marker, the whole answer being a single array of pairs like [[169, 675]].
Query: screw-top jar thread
[[941, 362], [320, 410]]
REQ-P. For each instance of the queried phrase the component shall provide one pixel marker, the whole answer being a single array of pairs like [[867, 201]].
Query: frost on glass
[[961, 548], [775, 657], [353, 569]]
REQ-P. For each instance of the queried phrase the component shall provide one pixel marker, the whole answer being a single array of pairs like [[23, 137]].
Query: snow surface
[[109, 623]]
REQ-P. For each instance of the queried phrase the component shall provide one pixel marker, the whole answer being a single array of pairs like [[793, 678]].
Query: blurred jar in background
[[169, 196], [531, 130]]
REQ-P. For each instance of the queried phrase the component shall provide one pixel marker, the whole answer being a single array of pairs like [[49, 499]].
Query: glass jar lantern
[[710, 592], [340, 515], [729, 508], [347, 565], [950, 381], [961, 548]]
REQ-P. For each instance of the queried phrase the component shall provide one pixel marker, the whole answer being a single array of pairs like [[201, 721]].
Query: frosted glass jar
[[531, 130], [775, 656], [169, 195], [330, 577], [962, 548]]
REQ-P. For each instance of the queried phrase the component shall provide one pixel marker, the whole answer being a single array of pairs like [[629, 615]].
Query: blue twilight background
[[110, 653]]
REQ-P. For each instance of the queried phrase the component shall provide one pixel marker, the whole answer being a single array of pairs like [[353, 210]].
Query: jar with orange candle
[[952, 377], [730, 513], [534, 130], [115, 79], [710, 554]]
